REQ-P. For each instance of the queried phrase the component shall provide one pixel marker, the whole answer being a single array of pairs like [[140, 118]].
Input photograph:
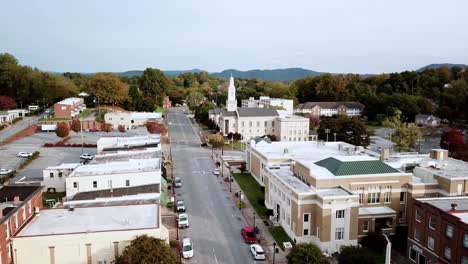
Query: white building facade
[[131, 120], [54, 176], [266, 101], [113, 175]]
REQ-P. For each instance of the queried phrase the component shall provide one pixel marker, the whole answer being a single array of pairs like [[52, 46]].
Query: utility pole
[[81, 130], [274, 251], [327, 130]]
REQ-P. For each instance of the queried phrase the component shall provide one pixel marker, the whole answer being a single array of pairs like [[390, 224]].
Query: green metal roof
[[360, 167]]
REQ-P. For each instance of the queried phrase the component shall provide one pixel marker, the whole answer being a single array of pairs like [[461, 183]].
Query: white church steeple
[[231, 103]]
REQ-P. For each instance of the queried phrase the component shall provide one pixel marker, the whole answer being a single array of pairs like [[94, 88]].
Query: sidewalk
[[265, 238]]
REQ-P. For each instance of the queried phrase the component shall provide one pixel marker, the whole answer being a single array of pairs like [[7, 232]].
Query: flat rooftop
[[142, 198], [137, 115], [304, 150], [119, 192], [70, 101], [64, 166], [125, 155], [286, 176], [127, 142], [117, 167], [450, 168], [92, 219], [445, 203]]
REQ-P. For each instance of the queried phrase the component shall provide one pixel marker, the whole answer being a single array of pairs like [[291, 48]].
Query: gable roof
[[253, 112], [360, 167], [228, 113], [330, 105]]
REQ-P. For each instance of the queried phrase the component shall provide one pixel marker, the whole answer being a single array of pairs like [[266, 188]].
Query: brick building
[[18, 205], [69, 107], [438, 230]]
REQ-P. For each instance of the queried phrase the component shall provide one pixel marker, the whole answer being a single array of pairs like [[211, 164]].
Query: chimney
[[454, 206], [16, 200], [385, 154]]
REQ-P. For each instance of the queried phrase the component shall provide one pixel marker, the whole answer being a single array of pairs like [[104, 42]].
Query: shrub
[[173, 243], [121, 128], [261, 201], [204, 145], [48, 145], [106, 127], [269, 212], [216, 141], [156, 128], [75, 125], [375, 242], [62, 130], [240, 204]]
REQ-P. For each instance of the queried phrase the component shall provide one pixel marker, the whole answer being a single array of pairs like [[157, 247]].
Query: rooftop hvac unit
[[285, 151]]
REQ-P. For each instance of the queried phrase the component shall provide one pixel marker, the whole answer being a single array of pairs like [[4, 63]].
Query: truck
[[48, 127]]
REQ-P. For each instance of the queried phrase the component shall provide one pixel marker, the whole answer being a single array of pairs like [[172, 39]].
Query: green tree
[[216, 141], [147, 250], [356, 254], [306, 254], [154, 84], [405, 137], [194, 99]]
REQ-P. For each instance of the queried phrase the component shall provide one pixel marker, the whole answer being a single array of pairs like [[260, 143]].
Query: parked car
[[248, 234], [257, 252], [187, 248], [216, 172], [5, 171], [25, 154], [178, 182], [86, 156], [183, 221], [180, 206], [93, 130]]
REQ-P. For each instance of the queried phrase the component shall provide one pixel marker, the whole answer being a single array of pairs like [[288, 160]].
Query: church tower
[[231, 103]]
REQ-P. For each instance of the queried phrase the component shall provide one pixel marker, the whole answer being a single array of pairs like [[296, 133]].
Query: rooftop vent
[[71, 208], [454, 206], [285, 151]]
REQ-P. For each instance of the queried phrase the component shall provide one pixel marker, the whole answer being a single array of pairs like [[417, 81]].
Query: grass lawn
[[54, 119], [280, 236], [251, 189], [85, 113], [237, 145], [57, 196]]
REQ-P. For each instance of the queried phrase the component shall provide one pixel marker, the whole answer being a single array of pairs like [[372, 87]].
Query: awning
[[376, 211]]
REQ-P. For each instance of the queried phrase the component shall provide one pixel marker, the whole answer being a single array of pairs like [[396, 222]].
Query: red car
[[248, 234]]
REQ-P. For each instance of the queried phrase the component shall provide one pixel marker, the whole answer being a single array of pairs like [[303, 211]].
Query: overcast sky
[[361, 36]]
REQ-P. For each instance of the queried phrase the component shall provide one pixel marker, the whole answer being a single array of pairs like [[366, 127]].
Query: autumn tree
[[121, 128], [106, 127], [62, 130], [156, 128], [405, 136], [147, 250], [194, 99], [7, 102], [75, 125], [216, 141], [314, 121], [107, 87], [305, 254]]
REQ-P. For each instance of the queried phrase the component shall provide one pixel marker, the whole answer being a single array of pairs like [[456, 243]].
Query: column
[[52, 255], [116, 249], [88, 254]]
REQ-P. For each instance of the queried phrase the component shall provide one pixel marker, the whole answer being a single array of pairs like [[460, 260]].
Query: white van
[[33, 107]]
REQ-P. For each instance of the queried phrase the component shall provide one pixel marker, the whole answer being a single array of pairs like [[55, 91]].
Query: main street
[[215, 222]]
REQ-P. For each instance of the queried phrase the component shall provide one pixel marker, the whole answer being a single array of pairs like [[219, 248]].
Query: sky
[[341, 36]]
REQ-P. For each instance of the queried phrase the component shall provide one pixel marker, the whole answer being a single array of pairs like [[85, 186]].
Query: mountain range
[[285, 75]]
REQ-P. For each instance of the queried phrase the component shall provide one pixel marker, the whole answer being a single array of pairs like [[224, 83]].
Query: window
[[306, 232], [272, 123], [306, 218], [361, 195], [24, 213], [430, 242], [449, 231], [417, 234], [465, 240], [464, 260], [75, 185], [365, 226], [448, 253], [340, 214], [388, 194], [373, 195], [318, 232], [258, 123], [60, 174], [94, 184], [16, 221], [51, 174], [8, 229], [127, 183], [339, 233], [432, 223], [266, 124], [242, 123], [250, 123], [402, 196], [412, 254], [29, 207], [418, 216]]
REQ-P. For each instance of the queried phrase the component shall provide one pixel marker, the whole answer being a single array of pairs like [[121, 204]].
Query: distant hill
[[438, 65], [289, 74]]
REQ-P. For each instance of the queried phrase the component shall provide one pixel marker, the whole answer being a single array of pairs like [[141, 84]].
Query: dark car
[[248, 234]]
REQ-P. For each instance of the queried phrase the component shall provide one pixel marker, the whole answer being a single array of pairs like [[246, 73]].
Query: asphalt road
[[19, 126], [215, 222]]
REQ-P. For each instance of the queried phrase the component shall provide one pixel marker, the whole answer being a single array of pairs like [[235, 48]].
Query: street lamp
[[327, 130], [240, 200], [274, 251]]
